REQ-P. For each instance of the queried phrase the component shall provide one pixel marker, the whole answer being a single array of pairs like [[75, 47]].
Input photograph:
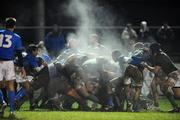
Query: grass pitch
[[24, 114]]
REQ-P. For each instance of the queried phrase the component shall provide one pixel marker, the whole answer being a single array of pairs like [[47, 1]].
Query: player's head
[[146, 46], [33, 49], [138, 45], [72, 43], [115, 55], [129, 25], [94, 39], [155, 48], [41, 47], [55, 28], [10, 22]]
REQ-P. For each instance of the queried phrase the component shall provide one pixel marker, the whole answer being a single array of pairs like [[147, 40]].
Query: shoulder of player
[[162, 56], [2, 30], [16, 35], [10, 33], [28, 55]]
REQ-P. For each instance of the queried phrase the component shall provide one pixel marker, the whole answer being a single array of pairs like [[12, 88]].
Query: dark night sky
[[132, 11]]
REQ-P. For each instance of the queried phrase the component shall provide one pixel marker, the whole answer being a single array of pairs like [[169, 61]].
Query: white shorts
[[7, 71], [20, 79]]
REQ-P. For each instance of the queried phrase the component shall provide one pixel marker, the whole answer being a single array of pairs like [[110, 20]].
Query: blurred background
[[35, 18]]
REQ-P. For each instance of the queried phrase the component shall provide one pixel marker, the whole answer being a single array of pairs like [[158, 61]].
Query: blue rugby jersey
[[9, 43], [30, 61]]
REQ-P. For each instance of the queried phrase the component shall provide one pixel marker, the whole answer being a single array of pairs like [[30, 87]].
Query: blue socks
[[1, 97], [110, 100], [20, 94], [11, 96]]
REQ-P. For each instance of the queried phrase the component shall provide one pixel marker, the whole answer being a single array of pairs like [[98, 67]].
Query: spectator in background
[[129, 35], [165, 35], [145, 33], [54, 41]]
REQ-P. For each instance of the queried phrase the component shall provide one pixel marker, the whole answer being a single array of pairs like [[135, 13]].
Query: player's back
[[9, 42]]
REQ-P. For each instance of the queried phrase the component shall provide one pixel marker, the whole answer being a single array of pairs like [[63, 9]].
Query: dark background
[[153, 11]]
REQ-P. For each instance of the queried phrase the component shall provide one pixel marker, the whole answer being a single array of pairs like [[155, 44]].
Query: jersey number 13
[[7, 39]]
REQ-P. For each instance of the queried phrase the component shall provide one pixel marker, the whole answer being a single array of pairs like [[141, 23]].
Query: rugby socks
[[83, 104], [20, 94], [1, 97], [110, 100], [11, 96], [93, 98], [156, 104], [171, 99], [135, 106]]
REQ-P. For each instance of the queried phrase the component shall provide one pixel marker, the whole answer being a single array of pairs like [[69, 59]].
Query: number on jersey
[[7, 43]]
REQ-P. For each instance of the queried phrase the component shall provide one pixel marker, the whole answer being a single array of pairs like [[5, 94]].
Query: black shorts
[[133, 72], [41, 80]]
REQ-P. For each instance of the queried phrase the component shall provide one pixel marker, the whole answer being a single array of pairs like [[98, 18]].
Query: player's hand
[[45, 64], [144, 64]]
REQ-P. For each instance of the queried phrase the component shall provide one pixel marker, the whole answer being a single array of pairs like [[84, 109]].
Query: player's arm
[[36, 67], [20, 62], [20, 57], [19, 51], [154, 69]]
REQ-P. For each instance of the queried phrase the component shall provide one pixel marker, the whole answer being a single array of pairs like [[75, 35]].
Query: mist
[[92, 18]]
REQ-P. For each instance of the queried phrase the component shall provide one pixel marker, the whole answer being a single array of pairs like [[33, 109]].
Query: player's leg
[[137, 76], [173, 78], [109, 96], [1, 94], [167, 90], [10, 78], [1, 78], [2, 101], [21, 96], [127, 87], [73, 93], [155, 95], [136, 98], [11, 97], [23, 91]]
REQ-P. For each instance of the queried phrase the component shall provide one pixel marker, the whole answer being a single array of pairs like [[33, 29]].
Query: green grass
[[24, 114]]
